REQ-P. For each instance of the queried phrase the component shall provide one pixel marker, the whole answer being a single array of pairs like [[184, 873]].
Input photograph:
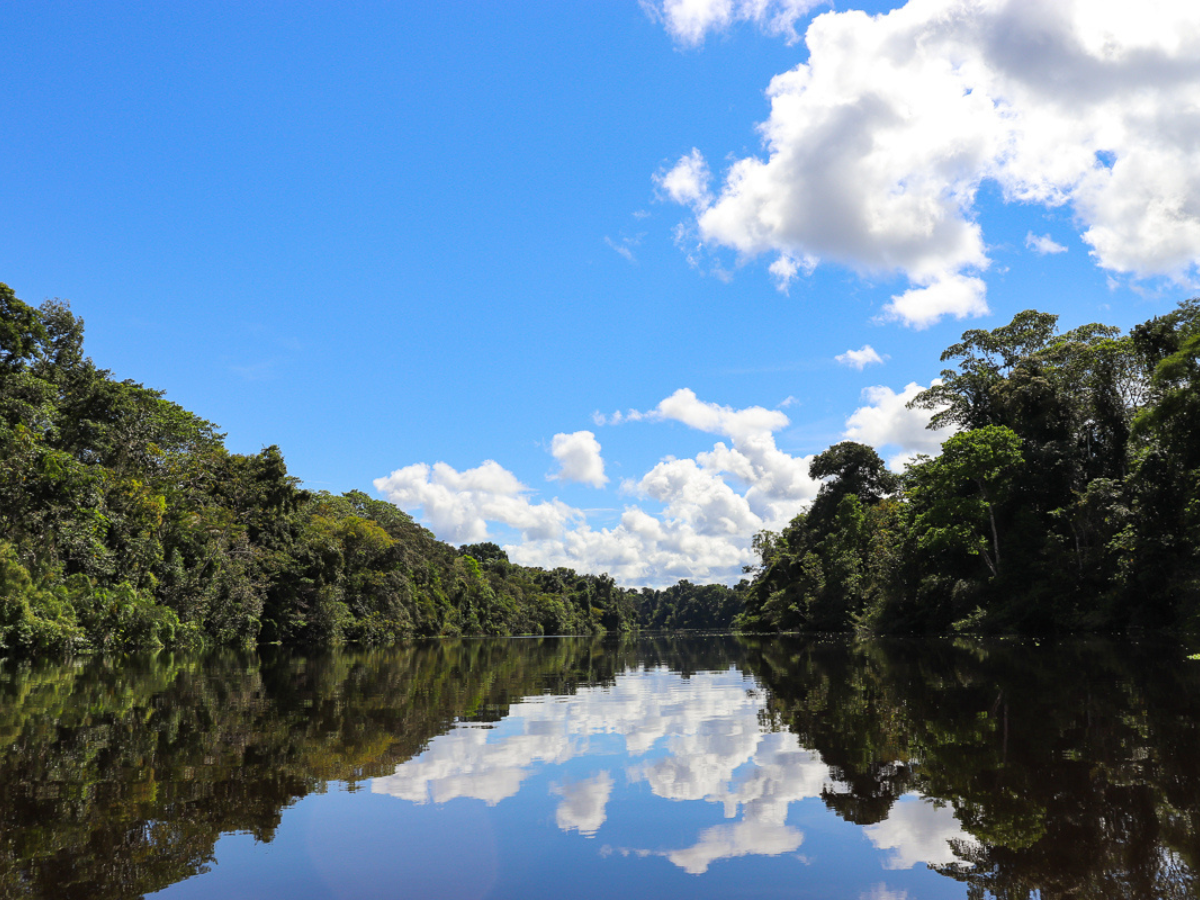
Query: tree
[[850, 469], [21, 331], [967, 397], [955, 496]]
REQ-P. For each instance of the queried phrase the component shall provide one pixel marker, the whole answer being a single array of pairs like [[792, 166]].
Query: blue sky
[[408, 234]]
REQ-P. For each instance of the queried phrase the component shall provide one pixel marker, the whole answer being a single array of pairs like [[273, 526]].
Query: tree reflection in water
[[1072, 765], [1055, 770]]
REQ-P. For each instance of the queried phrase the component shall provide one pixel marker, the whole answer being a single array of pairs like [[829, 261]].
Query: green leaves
[[955, 497], [21, 331]]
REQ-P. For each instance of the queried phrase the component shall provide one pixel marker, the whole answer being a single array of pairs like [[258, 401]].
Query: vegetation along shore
[[1068, 499]]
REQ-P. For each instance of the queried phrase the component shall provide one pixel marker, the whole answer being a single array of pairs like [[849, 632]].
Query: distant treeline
[[1068, 500], [124, 522]]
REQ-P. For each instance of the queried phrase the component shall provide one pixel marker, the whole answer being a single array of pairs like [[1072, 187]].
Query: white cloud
[[687, 181], [465, 763], [684, 406], [760, 838], [860, 359], [701, 738], [917, 831], [621, 248], [698, 739], [690, 21], [714, 723], [950, 295], [786, 268], [619, 417], [1043, 244], [583, 807], [458, 505], [705, 529], [887, 422], [710, 506], [579, 458], [875, 147]]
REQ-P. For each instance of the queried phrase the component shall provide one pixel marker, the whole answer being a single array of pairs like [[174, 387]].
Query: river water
[[652, 767]]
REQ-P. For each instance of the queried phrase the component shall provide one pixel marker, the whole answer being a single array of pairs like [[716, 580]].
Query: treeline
[[1068, 499], [125, 522]]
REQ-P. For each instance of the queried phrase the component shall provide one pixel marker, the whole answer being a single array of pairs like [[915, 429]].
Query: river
[[639, 767]]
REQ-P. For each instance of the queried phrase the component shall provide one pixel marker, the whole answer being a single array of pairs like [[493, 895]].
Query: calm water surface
[[674, 767]]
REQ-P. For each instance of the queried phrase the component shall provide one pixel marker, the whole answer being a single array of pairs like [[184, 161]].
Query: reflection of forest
[[117, 779], [1074, 766]]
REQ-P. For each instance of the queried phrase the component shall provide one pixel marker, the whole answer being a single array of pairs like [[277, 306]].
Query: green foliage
[[955, 496], [690, 607], [125, 523], [1069, 499], [33, 618]]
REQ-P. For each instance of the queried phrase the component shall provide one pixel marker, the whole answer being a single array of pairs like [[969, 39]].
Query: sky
[[593, 281]]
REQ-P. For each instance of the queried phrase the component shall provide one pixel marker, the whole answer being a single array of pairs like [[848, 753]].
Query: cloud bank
[[699, 739], [691, 518], [876, 147]]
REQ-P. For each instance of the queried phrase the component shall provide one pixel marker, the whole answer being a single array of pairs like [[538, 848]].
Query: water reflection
[[705, 735], [829, 768]]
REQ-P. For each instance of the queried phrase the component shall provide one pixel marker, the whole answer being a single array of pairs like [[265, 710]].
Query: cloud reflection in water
[[699, 738]]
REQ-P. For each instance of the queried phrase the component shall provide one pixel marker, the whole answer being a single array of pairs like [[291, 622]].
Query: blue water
[[654, 786]]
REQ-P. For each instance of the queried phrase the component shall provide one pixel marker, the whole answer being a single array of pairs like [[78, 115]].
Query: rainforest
[[1067, 499]]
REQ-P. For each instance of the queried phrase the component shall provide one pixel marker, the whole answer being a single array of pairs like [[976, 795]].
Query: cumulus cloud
[[918, 831], [1043, 244], [684, 406], [583, 807], [687, 181], [689, 22], [705, 509], [785, 269], [886, 422], [875, 147], [761, 838], [458, 505], [699, 739], [713, 723], [956, 295], [578, 458], [860, 359], [712, 505]]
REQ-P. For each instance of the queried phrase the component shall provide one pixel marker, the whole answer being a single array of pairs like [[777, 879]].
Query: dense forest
[[125, 522], [1068, 498]]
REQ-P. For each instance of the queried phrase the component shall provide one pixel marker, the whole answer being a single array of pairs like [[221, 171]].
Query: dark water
[[704, 767]]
